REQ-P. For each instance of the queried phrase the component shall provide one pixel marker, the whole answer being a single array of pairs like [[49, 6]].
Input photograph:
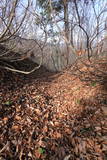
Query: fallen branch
[[20, 71]]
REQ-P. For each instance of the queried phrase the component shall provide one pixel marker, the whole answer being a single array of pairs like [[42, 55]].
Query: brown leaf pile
[[52, 117]]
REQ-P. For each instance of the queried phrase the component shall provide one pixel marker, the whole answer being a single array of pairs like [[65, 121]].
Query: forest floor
[[47, 116]]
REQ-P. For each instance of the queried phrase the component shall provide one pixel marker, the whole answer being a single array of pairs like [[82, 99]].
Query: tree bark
[[66, 25]]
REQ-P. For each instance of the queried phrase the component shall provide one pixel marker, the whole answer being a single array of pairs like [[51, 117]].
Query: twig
[[5, 147]]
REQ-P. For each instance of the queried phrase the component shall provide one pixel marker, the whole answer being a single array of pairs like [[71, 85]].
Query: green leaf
[[41, 150], [77, 89], [8, 103], [93, 84], [77, 101], [84, 130]]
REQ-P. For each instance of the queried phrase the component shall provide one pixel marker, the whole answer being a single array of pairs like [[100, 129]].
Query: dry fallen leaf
[[18, 118], [37, 154], [37, 111], [46, 115], [105, 110], [67, 157], [45, 129], [16, 128], [5, 119], [56, 124], [68, 131], [57, 135], [98, 128], [76, 150]]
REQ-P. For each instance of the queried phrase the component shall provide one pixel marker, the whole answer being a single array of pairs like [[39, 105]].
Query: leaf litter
[[52, 117]]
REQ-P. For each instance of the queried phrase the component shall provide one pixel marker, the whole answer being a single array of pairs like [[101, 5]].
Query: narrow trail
[[52, 117]]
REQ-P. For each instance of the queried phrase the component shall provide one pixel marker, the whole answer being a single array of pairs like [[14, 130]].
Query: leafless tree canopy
[[52, 33]]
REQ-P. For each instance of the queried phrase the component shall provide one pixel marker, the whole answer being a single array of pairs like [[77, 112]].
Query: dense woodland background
[[53, 33]]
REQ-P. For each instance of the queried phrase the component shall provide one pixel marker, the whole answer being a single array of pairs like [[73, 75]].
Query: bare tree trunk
[[71, 38], [66, 23]]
